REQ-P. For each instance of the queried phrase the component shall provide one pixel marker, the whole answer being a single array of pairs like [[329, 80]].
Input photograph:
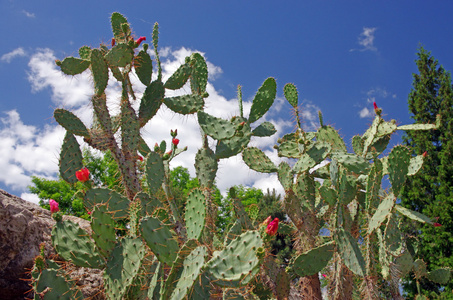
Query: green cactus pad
[[123, 266], [216, 128], [373, 184], [74, 66], [357, 144], [413, 215], [151, 101], [70, 158], [347, 187], [329, 195], [393, 236], [130, 127], [119, 56], [148, 203], [404, 263], [155, 284], [419, 269], [241, 214], [206, 166], [291, 94], [143, 67], [202, 287], [54, 286], [314, 260], [285, 176], [312, 157], [329, 135], [352, 162], [195, 215], [417, 127], [199, 74], [179, 78], [102, 112], [154, 172], [349, 251], [233, 146], [115, 203], [398, 167], [117, 20], [382, 212], [263, 100], [441, 276], [100, 71], [103, 227], [70, 122], [160, 239], [237, 264], [305, 190], [186, 104], [256, 160], [264, 129], [290, 149], [192, 267], [85, 52], [384, 259], [415, 165], [74, 244]]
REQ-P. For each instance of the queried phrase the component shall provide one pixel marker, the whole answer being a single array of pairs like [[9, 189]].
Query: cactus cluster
[[169, 253]]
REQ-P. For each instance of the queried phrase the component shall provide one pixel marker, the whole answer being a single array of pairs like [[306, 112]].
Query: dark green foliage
[[431, 190]]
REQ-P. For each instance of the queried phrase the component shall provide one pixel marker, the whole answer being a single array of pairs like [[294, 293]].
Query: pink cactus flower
[[272, 227], [375, 106], [140, 39], [324, 275], [53, 206], [83, 175]]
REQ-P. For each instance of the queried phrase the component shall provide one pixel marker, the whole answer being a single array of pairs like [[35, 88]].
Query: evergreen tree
[[431, 190]]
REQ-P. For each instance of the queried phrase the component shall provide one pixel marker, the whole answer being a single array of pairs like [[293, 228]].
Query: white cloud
[[365, 112], [29, 150], [28, 14], [366, 39], [8, 57]]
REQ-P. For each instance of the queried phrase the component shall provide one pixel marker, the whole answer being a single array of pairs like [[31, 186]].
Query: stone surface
[[23, 227]]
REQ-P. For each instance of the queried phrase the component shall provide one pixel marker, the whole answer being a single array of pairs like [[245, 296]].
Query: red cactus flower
[[324, 275], [113, 42], [140, 158], [272, 227], [375, 106], [89, 212], [83, 175], [425, 154], [437, 225], [140, 39], [175, 141], [53, 206]]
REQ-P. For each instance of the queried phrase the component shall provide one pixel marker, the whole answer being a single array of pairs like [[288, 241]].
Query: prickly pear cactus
[[340, 195], [164, 252]]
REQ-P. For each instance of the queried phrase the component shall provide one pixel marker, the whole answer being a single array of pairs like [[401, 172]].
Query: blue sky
[[342, 56]]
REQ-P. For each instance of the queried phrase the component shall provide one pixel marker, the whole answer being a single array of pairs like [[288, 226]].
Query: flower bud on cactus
[[156, 147], [53, 206], [425, 154], [272, 227], [83, 175], [113, 42], [174, 133], [377, 110], [139, 40], [175, 142], [437, 224], [267, 221]]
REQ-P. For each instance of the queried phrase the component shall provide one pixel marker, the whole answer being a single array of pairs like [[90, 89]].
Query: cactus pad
[[115, 203], [195, 215], [186, 104], [314, 260], [70, 122], [258, 161], [70, 158], [74, 66], [263, 100], [143, 67]]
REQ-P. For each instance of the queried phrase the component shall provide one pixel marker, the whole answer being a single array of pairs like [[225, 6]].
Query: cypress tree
[[431, 190]]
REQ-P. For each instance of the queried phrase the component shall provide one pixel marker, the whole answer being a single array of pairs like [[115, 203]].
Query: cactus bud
[[174, 133], [156, 147], [377, 110], [53, 206], [175, 142], [267, 221], [113, 42], [187, 60], [425, 154], [272, 227], [83, 175], [324, 275], [437, 224], [145, 47], [140, 40], [58, 62]]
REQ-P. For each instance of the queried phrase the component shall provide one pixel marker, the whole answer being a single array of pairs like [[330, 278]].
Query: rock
[[23, 227]]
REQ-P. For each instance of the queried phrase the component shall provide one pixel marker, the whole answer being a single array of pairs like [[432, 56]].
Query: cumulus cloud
[[29, 150], [365, 113], [366, 40], [8, 57]]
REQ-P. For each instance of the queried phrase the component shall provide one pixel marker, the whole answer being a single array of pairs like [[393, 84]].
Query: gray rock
[[23, 227]]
